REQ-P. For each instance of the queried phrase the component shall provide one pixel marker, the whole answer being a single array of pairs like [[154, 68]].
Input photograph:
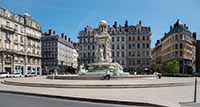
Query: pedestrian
[[159, 75]]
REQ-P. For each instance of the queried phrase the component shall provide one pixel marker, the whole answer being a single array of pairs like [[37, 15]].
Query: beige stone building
[[20, 44], [179, 44], [58, 53], [156, 53]]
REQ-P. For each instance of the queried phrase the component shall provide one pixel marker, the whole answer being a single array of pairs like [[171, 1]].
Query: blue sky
[[71, 16]]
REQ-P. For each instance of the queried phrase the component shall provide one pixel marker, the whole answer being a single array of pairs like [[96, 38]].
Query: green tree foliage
[[172, 67]]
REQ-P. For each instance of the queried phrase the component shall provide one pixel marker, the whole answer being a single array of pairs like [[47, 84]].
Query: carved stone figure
[[101, 52]]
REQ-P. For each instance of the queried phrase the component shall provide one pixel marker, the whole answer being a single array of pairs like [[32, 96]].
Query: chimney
[[170, 28], [149, 28], [115, 24], [54, 32], [50, 31], [157, 42], [126, 23], [65, 37], [62, 35], [194, 35]]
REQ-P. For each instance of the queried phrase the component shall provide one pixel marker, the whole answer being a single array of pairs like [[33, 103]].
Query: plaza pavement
[[150, 80], [168, 96]]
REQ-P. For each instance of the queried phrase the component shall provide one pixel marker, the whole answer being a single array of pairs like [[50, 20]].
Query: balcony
[[6, 50], [33, 55], [8, 28], [33, 36], [20, 52]]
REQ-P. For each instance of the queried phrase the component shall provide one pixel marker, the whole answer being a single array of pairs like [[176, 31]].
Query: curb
[[96, 86], [61, 77], [127, 103]]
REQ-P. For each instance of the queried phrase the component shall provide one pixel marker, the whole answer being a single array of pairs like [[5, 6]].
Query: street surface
[[14, 100]]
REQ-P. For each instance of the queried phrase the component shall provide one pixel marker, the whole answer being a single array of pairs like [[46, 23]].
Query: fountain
[[103, 65]]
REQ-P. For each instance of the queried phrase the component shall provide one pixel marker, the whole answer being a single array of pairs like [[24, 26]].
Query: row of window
[[50, 62], [179, 37], [87, 40], [118, 46], [117, 54], [180, 46], [15, 26], [49, 49], [138, 62], [34, 61], [130, 30], [21, 29], [116, 39], [130, 38], [49, 43], [180, 53], [49, 55], [138, 45], [139, 53], [120, 54], [139, 38], [19, 38], [122, 46]]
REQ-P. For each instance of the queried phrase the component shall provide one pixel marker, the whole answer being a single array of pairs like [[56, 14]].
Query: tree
[[172, 67], [156, 68]]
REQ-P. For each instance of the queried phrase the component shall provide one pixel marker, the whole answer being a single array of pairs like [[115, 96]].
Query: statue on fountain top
[[103, 50]]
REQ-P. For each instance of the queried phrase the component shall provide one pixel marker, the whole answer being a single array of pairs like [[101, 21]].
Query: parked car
[[4, 74], [33, 74], [30, 74], [16, 75]]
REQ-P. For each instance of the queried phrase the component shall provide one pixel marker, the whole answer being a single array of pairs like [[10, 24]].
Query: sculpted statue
[[101, 54], [82, 70]]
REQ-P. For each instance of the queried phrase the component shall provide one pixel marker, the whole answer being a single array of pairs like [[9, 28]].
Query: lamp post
[[195, 90]]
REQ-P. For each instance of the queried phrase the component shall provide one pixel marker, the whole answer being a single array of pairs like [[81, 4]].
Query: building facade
[[58, 53], [130, 45], [178, 44], [20, 44], [156, 53]]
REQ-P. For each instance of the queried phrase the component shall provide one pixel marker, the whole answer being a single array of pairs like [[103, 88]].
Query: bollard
[[195, 90], [53, 76]]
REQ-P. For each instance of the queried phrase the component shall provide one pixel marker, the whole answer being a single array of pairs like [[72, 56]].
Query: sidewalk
[[168, 96]]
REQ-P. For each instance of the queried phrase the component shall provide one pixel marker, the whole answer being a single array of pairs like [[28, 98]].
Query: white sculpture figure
[[101, 56], [82, 70]]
